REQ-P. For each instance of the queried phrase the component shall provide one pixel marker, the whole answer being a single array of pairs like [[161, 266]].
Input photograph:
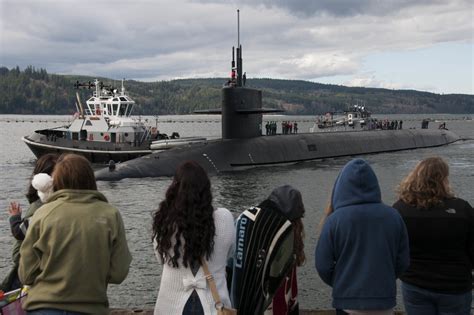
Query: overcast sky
[[398, 44]]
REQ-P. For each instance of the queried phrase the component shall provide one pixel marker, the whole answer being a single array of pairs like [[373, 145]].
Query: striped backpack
[[264, 256]]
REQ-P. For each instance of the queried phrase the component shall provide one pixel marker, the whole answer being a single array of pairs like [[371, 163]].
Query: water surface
[[137, 198]]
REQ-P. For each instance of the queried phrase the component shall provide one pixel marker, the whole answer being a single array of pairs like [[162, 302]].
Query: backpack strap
[[212, 285]]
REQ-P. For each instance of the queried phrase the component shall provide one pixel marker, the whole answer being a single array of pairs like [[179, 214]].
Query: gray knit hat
[[289, 201]]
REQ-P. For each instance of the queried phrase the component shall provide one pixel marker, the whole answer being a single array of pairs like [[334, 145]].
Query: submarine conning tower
[[242, 111], [238, 120]]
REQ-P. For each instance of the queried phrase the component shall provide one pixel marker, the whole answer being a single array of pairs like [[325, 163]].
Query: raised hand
[[14, 208]]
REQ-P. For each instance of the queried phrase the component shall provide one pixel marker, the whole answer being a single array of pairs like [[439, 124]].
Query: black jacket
[[441, 246]]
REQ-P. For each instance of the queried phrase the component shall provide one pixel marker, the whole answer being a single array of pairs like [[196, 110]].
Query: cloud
[[370, 80], [313, 65], [373, 80], [165, 39], [337, 8]]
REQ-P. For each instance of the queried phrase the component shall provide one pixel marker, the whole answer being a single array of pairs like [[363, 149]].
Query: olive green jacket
[[75, 245]]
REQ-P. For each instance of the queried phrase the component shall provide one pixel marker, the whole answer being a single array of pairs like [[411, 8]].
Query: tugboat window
[[123, 99], [115, 107], [83, 135], [122, 110], [126, 134], [88, 123]]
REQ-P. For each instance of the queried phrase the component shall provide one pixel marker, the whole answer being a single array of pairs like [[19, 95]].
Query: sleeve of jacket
[[324, 254], [120, 257], [30, 255], [470, 212], [15, 226], [403, 255]]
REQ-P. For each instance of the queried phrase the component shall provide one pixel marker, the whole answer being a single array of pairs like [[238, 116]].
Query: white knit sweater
[[177, 284]]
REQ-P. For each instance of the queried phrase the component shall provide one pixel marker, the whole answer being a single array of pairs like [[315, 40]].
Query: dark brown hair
[[45, 164], [427, 184], [298, 229], [183, 225], [73, 171]]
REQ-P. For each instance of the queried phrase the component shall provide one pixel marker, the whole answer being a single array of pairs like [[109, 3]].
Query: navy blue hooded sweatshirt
[[363, 246]]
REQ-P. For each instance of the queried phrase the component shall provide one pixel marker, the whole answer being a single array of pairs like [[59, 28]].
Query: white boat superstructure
[[107, 118]]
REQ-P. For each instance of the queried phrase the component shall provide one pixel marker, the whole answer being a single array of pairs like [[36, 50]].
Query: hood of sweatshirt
[[356, 184], [289, 201], [77, 195]]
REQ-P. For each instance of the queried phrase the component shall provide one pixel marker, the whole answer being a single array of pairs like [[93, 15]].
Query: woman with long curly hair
[[441, 234], [186, 230]]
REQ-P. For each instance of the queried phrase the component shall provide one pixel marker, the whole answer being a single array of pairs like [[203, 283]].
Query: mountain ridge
[[34, 91]]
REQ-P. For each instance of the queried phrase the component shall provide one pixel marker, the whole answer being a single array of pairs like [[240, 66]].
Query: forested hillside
[[34, 91]]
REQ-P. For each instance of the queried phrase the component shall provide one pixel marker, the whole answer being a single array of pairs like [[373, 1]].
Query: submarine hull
[[227, 155]]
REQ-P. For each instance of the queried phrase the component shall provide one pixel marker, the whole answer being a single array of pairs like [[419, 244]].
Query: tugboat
[[355, 117], [104, 130]]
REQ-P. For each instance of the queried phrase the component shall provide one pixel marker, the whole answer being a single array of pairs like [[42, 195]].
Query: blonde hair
[[327, 211], [427, 184]]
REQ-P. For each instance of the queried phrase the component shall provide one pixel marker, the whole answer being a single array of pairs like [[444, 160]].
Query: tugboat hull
[[227, 155], [94, 152]]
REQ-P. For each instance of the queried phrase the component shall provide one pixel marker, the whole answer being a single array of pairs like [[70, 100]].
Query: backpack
[[263, 257]]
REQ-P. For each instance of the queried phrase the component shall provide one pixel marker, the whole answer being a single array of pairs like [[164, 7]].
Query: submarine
[[243, 146]]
